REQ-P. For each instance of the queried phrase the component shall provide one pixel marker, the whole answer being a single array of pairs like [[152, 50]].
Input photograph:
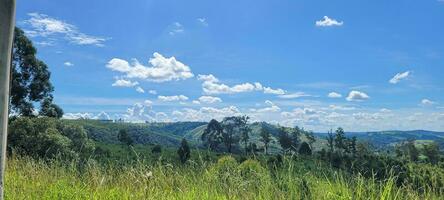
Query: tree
[[432, 152], [340, 140], [266, 139], [124, 137], [330, 141], [212, 134], [29, 77], [284, 139], [50, 109], [412, 150], [310, 137], [245, 131], [184, 151], [305, 149], [295, 138], [231, 128]]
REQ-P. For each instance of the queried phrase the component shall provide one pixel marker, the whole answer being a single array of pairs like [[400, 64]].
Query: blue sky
[[362, 65]]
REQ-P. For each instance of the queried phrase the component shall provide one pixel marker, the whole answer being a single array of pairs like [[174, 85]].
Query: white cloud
[[336, 107], [278, 91], [154, 92], [196, 102], [140, 90], [385, 110], [42, 25], [176, 28], [124, 83], [211, 85], [357, 96], [173, 98], [102, 116], [326, 21], [210, 99], [334, 95], [162, 69], [205, 113], [294, 95], [427, 102], [272, 108], [202, 21], [69, 64], [399, 76], [148, 102]]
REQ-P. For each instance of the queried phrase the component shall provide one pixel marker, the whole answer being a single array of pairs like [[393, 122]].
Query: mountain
[[170, 134]]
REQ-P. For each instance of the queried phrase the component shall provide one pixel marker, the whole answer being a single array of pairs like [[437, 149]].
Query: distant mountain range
[[170, 134]]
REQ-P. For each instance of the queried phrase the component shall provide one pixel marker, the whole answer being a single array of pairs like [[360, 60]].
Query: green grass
[[296, 179]]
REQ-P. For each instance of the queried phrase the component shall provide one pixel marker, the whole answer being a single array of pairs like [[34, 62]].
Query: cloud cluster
[[209, 99], [42, 25], [334, 95], [173, 98], [162, 69], [326, 21], [176, 28], [124, 83], [357, 96]]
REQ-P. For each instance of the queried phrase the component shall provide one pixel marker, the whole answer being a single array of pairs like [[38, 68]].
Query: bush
[[48, 138], [156, 149], [253, 173]]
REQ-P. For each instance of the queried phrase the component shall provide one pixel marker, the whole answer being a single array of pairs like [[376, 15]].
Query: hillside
[[170, 134]]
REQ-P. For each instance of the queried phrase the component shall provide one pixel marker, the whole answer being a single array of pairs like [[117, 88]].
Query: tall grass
[[226, 179]]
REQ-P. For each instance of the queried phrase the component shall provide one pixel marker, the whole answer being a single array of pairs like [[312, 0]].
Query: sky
[[361, 65]]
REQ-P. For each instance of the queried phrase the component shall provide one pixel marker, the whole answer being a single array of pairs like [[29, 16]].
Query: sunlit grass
[[294, 179]]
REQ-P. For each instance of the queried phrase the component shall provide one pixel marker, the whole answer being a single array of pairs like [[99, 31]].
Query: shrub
[[252, 172], [156, 149]]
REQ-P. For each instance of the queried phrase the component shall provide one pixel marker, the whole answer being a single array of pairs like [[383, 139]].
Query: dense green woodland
[[53, 158]]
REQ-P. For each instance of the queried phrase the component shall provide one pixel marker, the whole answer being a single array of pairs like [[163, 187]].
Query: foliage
[[212, 134], [124, 137], [48, 138], [305, 149], [266, 139], [184, 151], [156, 149], [29, 79]]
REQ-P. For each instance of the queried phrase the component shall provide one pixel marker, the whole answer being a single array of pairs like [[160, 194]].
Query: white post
[[7, 19]]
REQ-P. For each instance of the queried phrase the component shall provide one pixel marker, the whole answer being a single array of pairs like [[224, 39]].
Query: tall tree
[[310, 137], [330, 141], [29, 77], [50, 109], [284, 139], [266, 139], [212, 134], [295, 138], [231, 129], [184, 151], [305, 149], [245, 131], [124, 137], [432, 152], [340, 140]]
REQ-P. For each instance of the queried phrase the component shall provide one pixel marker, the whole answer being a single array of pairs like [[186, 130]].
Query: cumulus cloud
[[153, 92], [326, 21], [334, 95], [336, 107], [140, 90], [205, 113], [41, 25], [357, 96], [209, 99], [399, 76], [278, 91], [173, 98], [294, 95], [162, 69], [69, 64], [427, 102], [124, 83], [101, 116], [211, 85]]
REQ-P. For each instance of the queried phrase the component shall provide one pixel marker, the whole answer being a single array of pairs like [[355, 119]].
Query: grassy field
[[225, 179]]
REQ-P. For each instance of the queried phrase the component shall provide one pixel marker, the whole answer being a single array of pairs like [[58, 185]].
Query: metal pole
[[7, 19]]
